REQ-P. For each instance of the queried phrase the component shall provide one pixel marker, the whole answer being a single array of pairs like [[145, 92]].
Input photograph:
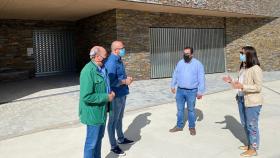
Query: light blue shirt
[[104, 73], [189, 75]]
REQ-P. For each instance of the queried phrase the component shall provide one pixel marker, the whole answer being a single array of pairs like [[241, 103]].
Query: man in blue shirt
[[189, 78], [119, 82]]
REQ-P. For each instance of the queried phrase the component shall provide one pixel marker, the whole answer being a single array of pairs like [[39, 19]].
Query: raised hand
[[227, 79], [237, 85]]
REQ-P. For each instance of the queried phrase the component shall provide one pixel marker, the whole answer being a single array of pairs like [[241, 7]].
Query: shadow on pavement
[[235, 128], [199, 115], [11, 91], [133, 132]]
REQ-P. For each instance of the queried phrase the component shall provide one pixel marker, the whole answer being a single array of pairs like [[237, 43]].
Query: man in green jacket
[[95, 94]]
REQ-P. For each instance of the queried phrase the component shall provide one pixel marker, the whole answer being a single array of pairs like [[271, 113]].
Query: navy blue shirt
[[116, 73]]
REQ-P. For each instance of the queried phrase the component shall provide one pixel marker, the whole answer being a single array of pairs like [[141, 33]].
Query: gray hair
[[95, 50]]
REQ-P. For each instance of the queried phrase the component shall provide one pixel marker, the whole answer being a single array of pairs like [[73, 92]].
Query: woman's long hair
[[242, 65], [251, 57]]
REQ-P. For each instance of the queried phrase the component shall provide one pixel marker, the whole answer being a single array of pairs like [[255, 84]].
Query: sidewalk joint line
[[271, 90]]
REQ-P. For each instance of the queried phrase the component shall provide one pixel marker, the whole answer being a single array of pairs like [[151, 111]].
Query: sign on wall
[[29, 52]]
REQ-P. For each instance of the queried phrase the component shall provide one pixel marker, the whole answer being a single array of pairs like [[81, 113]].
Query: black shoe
[[118, 151], [126, 141]]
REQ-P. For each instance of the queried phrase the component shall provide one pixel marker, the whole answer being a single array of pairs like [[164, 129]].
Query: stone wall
[[99, 29], [253, 7], [133, 28], [16, 37], [138, 65], [261, 33]]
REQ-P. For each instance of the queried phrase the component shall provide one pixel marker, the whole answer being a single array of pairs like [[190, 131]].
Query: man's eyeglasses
[[102, 56]]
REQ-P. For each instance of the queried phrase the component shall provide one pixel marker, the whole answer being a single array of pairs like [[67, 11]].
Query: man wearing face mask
[[189, 78], [95, 93], [119, 82]]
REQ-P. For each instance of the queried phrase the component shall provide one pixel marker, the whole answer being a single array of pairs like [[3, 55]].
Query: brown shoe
[[249, 153], [192, 131], [246, 147], [175, 129]]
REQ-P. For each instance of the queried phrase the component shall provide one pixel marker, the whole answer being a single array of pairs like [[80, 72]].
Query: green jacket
[[93, 96]]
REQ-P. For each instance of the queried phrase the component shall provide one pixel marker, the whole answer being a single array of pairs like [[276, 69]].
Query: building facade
[[154, 32]]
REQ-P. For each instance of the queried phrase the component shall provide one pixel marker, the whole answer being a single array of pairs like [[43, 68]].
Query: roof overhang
[[72, 10]]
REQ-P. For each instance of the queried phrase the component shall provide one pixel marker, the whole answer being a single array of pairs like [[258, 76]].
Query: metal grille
[[54, 52], [167, 46]]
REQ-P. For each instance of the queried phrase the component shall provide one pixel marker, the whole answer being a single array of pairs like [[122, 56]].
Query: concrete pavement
[[42, 103], [218, 132]]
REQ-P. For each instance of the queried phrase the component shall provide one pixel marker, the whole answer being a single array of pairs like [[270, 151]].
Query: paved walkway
[[48, 102], [219, 132]]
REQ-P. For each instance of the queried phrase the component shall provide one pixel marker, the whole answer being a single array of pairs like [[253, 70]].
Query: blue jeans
[[186, 96], [241, 108], [252, 127], [115, 120], [249, 117], [93, 142]]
